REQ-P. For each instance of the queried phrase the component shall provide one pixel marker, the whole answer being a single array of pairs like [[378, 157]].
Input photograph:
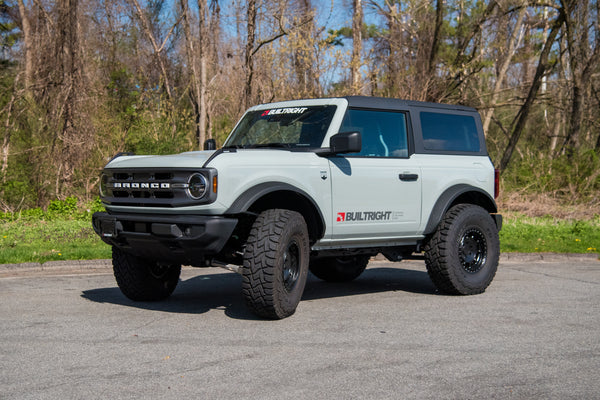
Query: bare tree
[[158, 48], [508, 55], [28, 42], [253, 45], [249, 53], [523, 114], [584, 57], [197, 54], [303, 56], [355, 62], [435, 42]]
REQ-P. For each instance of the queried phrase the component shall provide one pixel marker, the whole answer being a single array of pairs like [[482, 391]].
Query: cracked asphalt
[[68, 333]]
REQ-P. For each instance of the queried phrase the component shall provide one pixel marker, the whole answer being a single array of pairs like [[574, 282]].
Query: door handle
[[408, 177]]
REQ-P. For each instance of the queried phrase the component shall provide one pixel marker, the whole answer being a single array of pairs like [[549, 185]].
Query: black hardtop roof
[[394, 104]]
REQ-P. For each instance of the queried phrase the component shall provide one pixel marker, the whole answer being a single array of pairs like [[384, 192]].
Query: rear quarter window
[[449, 132]]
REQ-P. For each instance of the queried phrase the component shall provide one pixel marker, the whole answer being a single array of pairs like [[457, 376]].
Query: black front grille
[[146, 187]]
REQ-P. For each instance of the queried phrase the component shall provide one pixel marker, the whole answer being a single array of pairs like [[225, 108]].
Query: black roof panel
[[393, 104]]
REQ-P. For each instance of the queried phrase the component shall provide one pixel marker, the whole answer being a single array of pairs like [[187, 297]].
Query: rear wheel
[[275, 263], [339, 269], [144, 280], [462, 255]]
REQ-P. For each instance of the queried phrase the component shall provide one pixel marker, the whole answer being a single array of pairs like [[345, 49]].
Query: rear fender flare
[[472, 194]]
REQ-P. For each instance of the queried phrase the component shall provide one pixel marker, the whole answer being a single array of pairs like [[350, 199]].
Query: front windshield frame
[[301, 128]]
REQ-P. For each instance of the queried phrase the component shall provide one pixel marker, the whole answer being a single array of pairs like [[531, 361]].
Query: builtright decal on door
[[360, 216]]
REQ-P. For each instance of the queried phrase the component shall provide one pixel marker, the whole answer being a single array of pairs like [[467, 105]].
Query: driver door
[[377, 192]]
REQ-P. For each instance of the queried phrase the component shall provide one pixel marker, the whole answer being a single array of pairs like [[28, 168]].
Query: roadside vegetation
[[61, 232], [64, 232], [548, 234], [82, 81]]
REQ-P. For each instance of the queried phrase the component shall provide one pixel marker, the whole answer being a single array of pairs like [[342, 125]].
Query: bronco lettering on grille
[[140, 185]]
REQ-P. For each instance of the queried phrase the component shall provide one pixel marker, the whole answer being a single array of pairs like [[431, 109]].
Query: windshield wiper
[[267, 145]]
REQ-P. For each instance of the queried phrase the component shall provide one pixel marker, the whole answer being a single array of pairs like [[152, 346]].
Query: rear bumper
[[185, 239]]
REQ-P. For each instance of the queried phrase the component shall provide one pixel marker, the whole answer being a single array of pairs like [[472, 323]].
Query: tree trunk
[[195, 55], [67, 55], [582, 66], [203, 55], [28, 41], [395, 45], [249, 54], [303, 57], [7, 134], [435, 43], [191, 59], [523, 114], [357, 22]]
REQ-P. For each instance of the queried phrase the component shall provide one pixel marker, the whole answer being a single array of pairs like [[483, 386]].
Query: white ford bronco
[[319, 185]]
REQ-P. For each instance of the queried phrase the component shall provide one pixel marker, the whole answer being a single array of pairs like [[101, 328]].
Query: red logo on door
[[341, 217]]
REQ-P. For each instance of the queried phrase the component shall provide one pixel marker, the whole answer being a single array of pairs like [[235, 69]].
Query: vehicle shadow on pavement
[[202, 293], [373, 280]]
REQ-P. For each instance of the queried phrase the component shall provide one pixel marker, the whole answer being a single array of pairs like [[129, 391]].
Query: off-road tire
[[339, 269], [275, 264], [144, 280], [462, 255]]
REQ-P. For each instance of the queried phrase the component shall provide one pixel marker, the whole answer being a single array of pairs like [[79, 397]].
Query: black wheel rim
[[472, 250], [291, 265], [159, 270]]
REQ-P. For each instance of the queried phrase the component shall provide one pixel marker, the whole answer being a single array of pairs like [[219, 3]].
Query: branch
[[282, 32], [169, 33]]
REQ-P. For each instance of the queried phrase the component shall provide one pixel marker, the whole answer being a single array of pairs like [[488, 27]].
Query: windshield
[[290, 127]]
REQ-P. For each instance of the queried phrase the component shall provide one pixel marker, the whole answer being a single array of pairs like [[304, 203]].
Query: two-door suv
[[319, 185]]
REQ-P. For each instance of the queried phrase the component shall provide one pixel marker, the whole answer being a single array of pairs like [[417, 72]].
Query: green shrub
[[574, 179]]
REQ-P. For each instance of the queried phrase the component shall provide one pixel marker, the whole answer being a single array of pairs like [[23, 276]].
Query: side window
[[449, 132], [383, 133]]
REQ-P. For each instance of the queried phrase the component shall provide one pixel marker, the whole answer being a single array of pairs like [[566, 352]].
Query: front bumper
[[186, 239]]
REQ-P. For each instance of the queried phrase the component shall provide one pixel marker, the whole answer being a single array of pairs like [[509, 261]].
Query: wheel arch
[[272, 195], [456, 195]]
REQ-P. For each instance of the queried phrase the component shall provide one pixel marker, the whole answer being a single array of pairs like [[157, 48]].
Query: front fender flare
[[245, 201]]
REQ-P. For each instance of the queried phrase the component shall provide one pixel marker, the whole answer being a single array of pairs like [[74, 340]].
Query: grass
[[547, 234], [54, 240], [64, 232]]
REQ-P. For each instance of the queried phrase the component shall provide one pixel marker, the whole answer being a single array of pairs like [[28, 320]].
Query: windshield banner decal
[[292, 110]]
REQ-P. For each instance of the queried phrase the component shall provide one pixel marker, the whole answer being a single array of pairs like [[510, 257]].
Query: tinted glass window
[[383, 133], [449, 132]]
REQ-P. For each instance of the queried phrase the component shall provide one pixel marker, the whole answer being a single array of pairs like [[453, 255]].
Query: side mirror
[[345, 142], [210, 144]]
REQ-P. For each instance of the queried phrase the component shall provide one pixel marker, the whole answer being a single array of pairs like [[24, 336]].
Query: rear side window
[[449, 132]]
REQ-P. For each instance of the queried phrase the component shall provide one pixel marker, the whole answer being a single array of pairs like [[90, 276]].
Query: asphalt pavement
[[68, 333]]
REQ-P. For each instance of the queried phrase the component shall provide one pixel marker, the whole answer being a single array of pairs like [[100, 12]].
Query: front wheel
[[275, 263], [462, 255], [144, 280]]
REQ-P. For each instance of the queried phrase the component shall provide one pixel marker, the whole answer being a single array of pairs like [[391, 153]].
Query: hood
[[191, 159]]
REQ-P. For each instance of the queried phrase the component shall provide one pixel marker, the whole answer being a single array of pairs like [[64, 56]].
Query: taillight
[[496, 183]]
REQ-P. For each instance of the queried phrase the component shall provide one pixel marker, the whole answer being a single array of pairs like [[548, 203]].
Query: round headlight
[[197, 186], [103, 185]]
